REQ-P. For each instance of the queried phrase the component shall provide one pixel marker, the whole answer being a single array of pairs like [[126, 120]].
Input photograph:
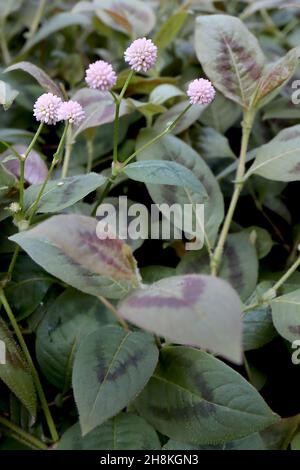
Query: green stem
[[36, 20], [271, 293], [22, 182], [67, 157], [25, 436], [34, 373], [55, 160], [117, 114], [285, 277], [13, 263], [33, 142], [36, 203], [22, 160], [159, 136], [4, 47], [238, 186], [90, 153], [103, 195]]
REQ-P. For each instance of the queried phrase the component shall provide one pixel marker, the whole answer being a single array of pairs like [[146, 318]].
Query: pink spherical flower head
[[201, 91], [72, 112], [46, 108], [100, 76], [141, 55]]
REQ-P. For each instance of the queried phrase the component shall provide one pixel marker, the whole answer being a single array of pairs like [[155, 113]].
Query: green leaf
[[40, 76], [286, 315], [7, 95], [221, 114], [57, 23], [195, 310], [163, 93], [261, 239], [15, 373], [70, 318], [239, 264], [170, 148], [124, 432], [258, 328], [279, 160], [212, 144], [67, 246], [165, 172], [170, 29], [252, 442], [230, 56], [197, 399], [117, 365], [191, 116], [28, 287], [63, 193]]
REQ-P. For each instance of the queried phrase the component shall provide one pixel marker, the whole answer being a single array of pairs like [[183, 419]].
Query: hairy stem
[[34, 373], [238, 186]]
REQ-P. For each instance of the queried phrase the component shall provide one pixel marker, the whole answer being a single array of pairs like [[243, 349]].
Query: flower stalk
[[247, 124]]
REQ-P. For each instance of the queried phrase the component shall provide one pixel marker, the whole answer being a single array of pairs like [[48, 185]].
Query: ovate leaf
[[279, 160], [165, 172], [70, 318], [15, 373], [230, 56], [116, 364], [196, 310], [68, 247], [197, 399], [63, 193], [41, 77], [125, 431], [286, 315], [276, 76], [99, 108], [170, 148], [56, 23], [169, 29]]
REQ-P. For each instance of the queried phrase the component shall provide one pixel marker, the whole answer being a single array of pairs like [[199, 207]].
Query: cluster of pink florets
[[141, 55], [50, 109]]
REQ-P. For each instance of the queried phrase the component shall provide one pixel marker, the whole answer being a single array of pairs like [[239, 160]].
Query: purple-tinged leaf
[[68, 247], [40, 76], [116, 364], [286, 315], [276, 76], [195, 398], [195, 310], [230, 56], [99, 108], [35, 168], [132, 17]]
